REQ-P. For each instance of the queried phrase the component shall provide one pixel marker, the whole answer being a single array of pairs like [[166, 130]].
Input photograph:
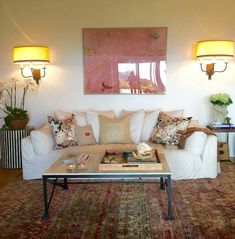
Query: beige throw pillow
[[114, 130], [93, 120], [85, 135]]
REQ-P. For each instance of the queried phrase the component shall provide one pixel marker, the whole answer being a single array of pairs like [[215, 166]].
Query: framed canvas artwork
[[125, 60]]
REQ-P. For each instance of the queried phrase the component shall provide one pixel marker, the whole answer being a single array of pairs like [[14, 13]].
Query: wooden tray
[[123, 164]]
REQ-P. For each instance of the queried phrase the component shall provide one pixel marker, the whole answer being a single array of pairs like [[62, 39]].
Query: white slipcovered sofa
[[198, 159]]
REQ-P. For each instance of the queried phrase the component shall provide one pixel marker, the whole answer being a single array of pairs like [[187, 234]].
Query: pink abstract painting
[[125, 60]]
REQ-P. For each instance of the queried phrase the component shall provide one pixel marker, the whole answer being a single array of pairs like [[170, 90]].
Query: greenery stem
[[4, 110], [23, 98], [11, 96], [15, 96]]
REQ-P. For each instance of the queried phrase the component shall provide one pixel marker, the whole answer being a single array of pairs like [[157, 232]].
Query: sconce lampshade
[[215, 49], [24, 54]]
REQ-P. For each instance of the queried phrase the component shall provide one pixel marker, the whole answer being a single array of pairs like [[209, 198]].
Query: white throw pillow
[[137, 123], [195, 144], [42, 140], [61, 115], [80, 117], [150, 121], [93, 120]]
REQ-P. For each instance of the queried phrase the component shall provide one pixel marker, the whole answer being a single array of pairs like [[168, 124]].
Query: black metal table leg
[[162, 186], [168, 189], [65, 186], [46, 204]]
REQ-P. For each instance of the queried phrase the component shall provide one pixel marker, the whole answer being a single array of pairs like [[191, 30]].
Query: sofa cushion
[[136, 124], [80, 117], [42, 140], [61, 115], [174, 113], [63, 131], [114, 130], [169, 129], [85, 135], [150, 121], [93, 120]]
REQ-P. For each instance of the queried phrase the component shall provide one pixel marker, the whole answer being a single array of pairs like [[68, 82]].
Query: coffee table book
[[116, 161]]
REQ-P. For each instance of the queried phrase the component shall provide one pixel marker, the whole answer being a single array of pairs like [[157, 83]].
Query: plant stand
[[10, 142]]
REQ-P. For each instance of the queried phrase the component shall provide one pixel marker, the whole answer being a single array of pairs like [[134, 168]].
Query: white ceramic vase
[[219, 113]]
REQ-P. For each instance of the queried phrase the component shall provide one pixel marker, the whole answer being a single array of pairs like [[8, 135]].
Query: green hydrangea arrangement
[[222, 99]]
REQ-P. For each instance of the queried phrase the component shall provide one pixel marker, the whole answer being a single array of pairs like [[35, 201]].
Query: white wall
[[59, 23]]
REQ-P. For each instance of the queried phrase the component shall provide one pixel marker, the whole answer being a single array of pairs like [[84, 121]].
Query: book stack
[[222, 126]]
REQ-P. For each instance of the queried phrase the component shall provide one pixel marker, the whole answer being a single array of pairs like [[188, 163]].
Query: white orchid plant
[[10, 92], [221, 99]]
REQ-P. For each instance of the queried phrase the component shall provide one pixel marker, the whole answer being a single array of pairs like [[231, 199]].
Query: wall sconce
[[32, 60], [211, 52]]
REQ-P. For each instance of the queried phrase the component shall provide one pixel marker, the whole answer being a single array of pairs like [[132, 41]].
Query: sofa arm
[[42, 140], [196, 143], [28, 153], [204, 146], [210, 165]]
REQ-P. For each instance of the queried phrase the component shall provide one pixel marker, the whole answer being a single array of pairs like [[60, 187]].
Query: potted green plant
[[221, 99], [16, 117]]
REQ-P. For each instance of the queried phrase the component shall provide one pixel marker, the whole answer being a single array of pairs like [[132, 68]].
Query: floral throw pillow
[[63, 131], [169, 129]]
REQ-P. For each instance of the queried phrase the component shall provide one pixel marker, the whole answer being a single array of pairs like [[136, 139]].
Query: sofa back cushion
[[136, 124], [80, 117], [174, 113], [150, 121], [114, 130]]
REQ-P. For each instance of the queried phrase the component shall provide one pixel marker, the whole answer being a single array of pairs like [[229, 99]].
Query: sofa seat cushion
[[182, 163]]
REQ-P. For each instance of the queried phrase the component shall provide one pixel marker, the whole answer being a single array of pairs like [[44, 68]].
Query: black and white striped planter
[[10, 141]]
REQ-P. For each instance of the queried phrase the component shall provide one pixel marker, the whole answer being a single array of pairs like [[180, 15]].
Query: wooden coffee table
[[59, 170]]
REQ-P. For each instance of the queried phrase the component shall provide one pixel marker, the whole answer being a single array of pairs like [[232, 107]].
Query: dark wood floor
[[9, 175]]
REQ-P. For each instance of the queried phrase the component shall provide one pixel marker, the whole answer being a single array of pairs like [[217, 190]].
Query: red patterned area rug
[[203, 208]]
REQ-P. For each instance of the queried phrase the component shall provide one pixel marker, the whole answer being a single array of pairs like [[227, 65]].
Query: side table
[[227, 131], [10, 142]]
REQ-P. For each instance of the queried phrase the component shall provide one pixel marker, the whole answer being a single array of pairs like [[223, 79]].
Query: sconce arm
[[22, 73], [225, 67]]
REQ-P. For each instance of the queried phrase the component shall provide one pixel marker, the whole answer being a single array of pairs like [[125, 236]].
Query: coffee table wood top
[[92, 168]]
